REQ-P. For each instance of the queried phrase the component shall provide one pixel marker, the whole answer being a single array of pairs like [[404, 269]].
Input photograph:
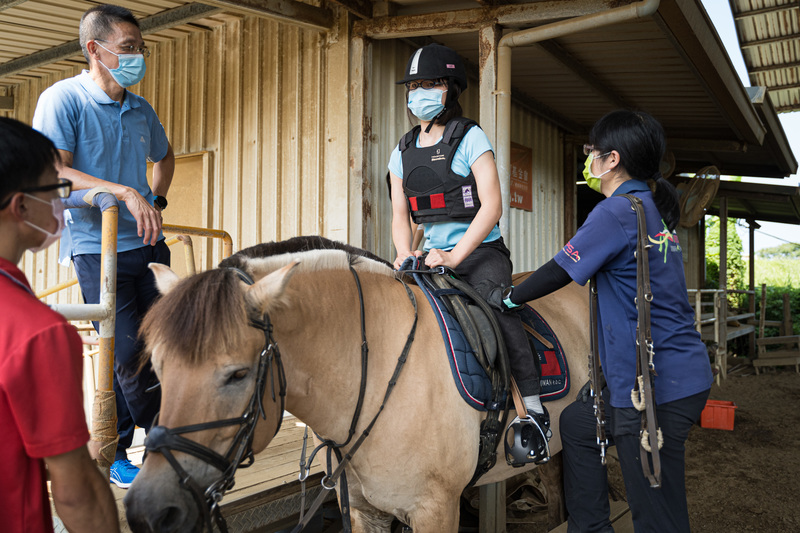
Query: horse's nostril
[[169, 520]]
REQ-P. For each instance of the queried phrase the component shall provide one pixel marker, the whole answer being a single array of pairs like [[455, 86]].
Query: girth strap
[[330, 480]]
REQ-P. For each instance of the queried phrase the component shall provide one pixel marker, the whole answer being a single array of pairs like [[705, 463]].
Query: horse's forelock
[[201, 316]]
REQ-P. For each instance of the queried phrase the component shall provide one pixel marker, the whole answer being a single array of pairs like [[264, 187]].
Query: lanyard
[[18, 282]]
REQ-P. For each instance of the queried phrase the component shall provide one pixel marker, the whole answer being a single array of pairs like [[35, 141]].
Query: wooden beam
[[472, 20], [288, 11], [7, 102], [786, 87], [152, 24], [772, 68], [360, 8], [764, 10], [705, 145], [590, 78], [769, 40]]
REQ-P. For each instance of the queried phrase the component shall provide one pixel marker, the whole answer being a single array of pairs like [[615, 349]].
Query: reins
[[642, 394], [329, 482], [240, 453]]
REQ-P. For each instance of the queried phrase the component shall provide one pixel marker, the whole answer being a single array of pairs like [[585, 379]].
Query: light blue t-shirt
[[109, 141], [445, 235]]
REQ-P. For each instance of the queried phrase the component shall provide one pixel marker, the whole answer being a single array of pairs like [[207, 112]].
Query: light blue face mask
[[131, 68], [425, 104]]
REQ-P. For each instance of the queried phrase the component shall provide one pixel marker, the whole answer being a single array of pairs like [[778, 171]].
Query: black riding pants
[[492, 261], [661, 510]]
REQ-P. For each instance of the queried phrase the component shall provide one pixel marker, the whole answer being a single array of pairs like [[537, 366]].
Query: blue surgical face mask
[[425, 104], [131, 68]]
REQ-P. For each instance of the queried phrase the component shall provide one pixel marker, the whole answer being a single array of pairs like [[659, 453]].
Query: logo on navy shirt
[[666, 240], [571, 252]]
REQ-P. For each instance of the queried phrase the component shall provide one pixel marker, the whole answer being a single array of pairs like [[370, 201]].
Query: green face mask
[[591, 180]]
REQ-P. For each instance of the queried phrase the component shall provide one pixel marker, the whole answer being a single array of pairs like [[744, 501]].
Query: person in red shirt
[[42, 422]]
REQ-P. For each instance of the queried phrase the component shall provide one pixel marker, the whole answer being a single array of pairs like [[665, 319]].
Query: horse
[[419, 455]]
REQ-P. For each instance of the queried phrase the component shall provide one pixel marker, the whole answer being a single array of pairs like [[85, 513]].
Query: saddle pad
[[471, 381], [555, 373]]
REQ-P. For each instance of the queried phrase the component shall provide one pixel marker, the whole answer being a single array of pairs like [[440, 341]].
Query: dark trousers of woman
[[136, 291], [492, 261], [661, 510]]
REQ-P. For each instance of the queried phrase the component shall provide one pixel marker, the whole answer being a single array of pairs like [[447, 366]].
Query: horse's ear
[[165, 277], [270, 288]]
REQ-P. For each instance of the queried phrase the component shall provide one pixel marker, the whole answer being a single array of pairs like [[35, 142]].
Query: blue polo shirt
[[109, 141], [604, 246], [445, 235]]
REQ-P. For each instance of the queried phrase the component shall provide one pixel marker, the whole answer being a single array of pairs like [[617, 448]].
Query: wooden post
[[752, 226], [723, 285], [492, 517]]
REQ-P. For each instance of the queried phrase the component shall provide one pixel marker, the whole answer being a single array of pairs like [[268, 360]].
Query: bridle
[[240, 453]]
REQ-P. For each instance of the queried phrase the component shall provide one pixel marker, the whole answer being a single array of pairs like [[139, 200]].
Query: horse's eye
[[238, 375]]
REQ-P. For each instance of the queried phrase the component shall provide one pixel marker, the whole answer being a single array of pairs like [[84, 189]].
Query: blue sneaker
[[122, 473]]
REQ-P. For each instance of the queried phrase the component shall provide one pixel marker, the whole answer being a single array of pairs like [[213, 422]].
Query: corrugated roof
[[672, 64], [769, 34]]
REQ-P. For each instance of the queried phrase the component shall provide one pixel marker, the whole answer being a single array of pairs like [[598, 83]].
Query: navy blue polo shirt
[[604, 246]]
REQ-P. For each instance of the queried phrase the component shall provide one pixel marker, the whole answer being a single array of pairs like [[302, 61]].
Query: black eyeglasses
[[63, 189], [425, 84], [129, 49], [589, 148]]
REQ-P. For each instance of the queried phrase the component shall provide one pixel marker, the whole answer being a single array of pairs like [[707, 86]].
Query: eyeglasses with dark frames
[[425, 84], [63, 189], [129, 49]]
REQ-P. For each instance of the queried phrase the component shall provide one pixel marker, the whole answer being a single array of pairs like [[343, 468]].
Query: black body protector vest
[[433, 191]]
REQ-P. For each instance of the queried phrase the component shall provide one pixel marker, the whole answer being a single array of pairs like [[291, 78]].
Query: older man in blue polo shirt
[[105, 135]]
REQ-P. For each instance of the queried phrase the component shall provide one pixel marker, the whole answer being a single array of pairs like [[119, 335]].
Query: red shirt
[[41, 400]]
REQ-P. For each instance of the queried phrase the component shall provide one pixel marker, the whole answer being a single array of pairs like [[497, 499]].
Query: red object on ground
[[718, 414]]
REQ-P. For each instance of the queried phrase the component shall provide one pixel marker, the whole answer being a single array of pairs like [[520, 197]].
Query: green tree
[[789, 250], [736, 276]]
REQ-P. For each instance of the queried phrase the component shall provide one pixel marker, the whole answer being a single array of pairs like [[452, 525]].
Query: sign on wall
[[521, 177]]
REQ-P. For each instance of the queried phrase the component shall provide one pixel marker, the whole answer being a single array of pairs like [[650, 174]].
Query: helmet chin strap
[[430, 124], [446, 104]]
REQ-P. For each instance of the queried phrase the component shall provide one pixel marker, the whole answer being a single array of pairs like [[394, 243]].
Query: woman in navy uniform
[[623, 157], [443, 176]]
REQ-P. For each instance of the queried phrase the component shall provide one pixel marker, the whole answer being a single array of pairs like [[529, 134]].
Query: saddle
[[477, 352]]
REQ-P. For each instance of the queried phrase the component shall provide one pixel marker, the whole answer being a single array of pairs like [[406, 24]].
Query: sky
[[771, 233]]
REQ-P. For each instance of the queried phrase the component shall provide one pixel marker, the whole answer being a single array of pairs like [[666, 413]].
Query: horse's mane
[[212, 312], [313, 252], [212, 307]]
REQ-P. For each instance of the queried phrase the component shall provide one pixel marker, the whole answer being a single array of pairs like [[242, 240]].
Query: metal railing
[[720, 319], [104, 424]]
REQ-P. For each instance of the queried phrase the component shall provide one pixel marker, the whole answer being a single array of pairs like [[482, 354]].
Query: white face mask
[[58, 213]]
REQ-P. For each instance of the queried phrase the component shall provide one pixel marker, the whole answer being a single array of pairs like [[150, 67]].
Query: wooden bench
[[789, 354], [784, 357]]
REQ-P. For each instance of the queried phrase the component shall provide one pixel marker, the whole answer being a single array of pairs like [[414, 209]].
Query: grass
[[777, 272]]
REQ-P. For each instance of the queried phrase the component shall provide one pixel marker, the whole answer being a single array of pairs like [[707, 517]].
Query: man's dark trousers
[[136, 290]]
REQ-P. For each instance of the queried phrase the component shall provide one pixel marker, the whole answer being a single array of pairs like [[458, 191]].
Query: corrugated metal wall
[[253, 94], [534, 236], [269, 103]]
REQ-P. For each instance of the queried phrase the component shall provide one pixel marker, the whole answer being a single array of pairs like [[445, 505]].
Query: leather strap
[[594, 373], [645, 368]]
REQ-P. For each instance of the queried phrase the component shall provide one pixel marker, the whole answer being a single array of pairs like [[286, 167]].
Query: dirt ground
[[736, 481]]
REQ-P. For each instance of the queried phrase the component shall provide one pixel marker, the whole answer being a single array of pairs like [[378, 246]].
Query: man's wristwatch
[[161, 202], [507, 298]]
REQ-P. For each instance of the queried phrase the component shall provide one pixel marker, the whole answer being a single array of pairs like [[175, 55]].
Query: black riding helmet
[[434, 61]]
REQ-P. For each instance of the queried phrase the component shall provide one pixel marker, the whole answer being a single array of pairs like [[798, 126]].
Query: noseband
[[240, 453]]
